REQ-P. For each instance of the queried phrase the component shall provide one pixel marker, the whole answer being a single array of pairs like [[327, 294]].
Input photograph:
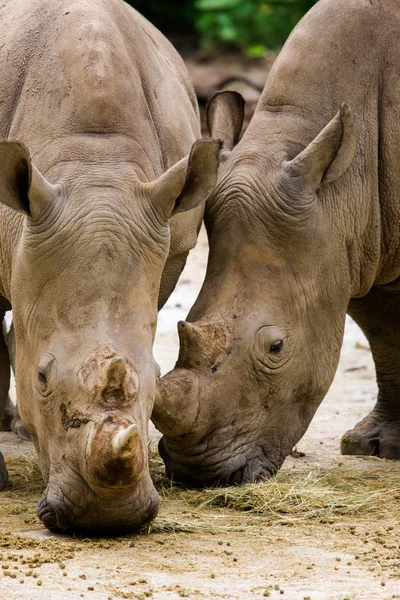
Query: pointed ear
[[188, 183], [225, 115], [22, 186], [329, 155]]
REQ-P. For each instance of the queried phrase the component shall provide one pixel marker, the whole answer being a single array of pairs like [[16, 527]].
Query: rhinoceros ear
[[188, 183], [225, 115], [329, 155], [22, 186]]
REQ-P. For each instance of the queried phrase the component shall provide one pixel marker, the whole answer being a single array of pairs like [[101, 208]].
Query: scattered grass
[[367, 489], [18, 501], [307, 495], [362, 488]]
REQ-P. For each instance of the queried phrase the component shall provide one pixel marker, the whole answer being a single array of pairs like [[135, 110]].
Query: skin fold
[[98, 164], [303, 227]]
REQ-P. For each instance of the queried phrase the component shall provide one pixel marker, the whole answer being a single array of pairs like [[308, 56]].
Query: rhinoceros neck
[[345, 52]]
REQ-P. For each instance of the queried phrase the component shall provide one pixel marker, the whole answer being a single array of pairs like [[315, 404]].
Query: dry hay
[[306, 495], [19, 500], [368, 488], [362, 488]]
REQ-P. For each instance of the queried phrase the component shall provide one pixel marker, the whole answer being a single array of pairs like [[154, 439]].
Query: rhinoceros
[[304, 226], [3, 473], [99, 123]]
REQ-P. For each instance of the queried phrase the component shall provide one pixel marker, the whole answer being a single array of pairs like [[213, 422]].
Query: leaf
[[256, 50], [216, 4]]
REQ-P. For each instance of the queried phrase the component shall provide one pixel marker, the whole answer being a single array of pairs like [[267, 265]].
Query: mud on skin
[[302, 228]]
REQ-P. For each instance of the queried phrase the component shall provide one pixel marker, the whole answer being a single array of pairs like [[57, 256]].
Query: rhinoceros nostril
[[47, 514], [54, 518], [235, 478]]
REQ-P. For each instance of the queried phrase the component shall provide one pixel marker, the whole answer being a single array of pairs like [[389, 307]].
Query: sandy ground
[[234, 555]]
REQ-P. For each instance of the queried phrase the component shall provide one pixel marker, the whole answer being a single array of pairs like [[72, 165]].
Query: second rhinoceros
[[99, 122], [304, 226]]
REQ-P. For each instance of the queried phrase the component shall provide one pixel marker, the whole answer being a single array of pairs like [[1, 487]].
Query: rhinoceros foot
[[19, 429], [8, 416], [3, 473], [373, 437], [11, 421]]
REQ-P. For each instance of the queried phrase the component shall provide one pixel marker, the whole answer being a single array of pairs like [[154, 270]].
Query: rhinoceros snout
[[254, 471], [49, 517], [93, 515], [198, 472]]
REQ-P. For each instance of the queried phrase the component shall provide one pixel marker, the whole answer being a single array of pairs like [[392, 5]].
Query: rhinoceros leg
[[3, 473], [12, 412], [6, 407], [378, 315]]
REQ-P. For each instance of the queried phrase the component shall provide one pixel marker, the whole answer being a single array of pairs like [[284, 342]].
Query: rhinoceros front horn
[[190, 341], [176, 402], [116, 456], [125, 441]]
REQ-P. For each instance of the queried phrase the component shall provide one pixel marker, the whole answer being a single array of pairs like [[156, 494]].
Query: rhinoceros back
[[98, 67]]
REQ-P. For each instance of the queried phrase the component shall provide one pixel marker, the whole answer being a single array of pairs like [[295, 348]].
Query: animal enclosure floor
[[328, 536]]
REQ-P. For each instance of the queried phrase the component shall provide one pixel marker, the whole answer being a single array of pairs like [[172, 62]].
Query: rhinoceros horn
[[190, 342], [120, 383], [125, 441], [115, 455], [115, 451], [203, 344], [176, 403], [208, 340]]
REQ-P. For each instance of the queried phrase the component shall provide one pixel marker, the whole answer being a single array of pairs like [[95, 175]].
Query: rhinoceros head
[[262, 341], [85, 279]]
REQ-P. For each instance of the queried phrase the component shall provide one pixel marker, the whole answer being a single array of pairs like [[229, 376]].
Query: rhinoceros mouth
[[50, 519], [111, 517], [197, 472]]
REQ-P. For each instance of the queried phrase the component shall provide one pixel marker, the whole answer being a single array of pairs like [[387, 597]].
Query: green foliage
[[250, 25]]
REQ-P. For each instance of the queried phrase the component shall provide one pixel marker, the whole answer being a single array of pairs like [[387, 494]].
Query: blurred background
[[249, 26], [226, 44]]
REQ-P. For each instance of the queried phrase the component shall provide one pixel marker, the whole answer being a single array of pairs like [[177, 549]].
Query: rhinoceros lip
[[63, 520], [249, 469], [48, 515]]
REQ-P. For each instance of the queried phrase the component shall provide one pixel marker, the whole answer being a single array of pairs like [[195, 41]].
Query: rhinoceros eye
[[42, 378], [272, 348], [276, 347], [45, 372]]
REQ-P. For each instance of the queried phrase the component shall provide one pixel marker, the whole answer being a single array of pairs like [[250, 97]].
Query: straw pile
[[362, 487], [367, 488], [317, 494]]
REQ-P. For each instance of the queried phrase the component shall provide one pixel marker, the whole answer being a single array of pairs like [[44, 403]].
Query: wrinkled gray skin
[[303, 226], [101, 103]]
